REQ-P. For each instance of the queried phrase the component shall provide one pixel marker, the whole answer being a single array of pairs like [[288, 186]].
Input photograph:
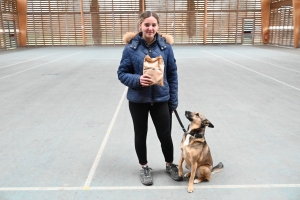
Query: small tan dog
[[195, 151]]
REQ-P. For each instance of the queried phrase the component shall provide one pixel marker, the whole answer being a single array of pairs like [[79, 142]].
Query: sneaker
[[145, 176], [173, 171]]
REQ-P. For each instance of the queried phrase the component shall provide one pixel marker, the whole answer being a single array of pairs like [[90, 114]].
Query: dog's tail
[[217, 168]]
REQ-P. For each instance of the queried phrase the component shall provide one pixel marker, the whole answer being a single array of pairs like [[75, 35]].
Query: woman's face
[[149, 28]]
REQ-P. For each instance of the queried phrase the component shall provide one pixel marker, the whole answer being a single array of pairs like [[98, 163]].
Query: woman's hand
[[145, 80]]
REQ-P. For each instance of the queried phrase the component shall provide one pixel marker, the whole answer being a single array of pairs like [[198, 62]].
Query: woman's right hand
[[145, 80]]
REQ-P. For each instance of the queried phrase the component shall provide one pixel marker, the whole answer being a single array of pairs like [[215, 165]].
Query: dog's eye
[[197, 114]]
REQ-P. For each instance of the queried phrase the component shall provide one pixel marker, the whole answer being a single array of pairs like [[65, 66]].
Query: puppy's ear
[[208, 123]]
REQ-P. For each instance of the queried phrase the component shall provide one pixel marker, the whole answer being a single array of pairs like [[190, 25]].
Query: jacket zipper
[[152, 90]]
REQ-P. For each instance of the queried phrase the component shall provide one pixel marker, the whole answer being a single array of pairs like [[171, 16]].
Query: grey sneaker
[[173, 171], [145, 176]]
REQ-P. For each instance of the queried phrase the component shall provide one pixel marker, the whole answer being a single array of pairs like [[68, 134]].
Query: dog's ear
[[208, 123]]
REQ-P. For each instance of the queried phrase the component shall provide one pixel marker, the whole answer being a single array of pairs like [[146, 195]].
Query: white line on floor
[[254, 71], [93, 169], [264, 62], [152, 187], [39, 65], [28, 60]]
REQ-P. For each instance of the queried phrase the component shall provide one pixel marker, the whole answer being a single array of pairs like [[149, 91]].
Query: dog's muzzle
[[188, 115]]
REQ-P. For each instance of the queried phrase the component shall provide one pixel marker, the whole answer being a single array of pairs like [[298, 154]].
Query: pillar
[[296, 16], [265, 19], [22, 10]]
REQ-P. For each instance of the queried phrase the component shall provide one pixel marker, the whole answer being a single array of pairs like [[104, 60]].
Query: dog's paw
[[190, 189], [187, 175], [197, 181]]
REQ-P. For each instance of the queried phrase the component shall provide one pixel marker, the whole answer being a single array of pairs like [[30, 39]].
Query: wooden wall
[[281, 22], [95, 22]]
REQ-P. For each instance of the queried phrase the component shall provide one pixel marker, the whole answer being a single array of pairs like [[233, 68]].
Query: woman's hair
[[147, 14]]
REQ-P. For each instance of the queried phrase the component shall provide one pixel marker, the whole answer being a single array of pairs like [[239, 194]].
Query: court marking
[[28, 60], [259, 186], [264, 62], [254, 71], [38, 66], [98, 58], [99, 154]]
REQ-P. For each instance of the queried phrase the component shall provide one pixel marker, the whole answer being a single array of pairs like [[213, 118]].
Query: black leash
[[175, 111]]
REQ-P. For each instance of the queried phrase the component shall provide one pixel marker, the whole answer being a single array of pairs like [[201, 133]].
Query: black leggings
[[162, 118]]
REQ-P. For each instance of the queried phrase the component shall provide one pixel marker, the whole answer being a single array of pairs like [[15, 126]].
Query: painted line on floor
[[91, 58], [259, 186], [99, 154], [254, 71], [263, 61], [39, 65], [28, 60]]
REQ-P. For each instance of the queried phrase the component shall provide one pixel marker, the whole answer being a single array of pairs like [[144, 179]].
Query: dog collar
[[196, 135]]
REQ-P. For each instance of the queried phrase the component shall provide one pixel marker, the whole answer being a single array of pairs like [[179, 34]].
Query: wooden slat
[[106, 21], [61, 22], [109, 21], [281, 26], [53, 22], [2, 34], [9, 37], [278, 4], [283, 29], [225, 20]]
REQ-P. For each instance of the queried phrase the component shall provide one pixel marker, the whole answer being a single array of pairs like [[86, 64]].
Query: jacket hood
[[127, 37]]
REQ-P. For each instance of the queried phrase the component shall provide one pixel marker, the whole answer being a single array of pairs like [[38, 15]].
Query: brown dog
[[195, 151]]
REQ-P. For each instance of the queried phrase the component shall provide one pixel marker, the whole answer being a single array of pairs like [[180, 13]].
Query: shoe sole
[[180, 178], [147, 184]]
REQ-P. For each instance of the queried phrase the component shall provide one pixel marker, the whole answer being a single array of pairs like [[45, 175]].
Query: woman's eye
[[147, 25]]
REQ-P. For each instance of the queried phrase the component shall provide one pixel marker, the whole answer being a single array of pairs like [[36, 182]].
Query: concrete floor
[[66, 131]]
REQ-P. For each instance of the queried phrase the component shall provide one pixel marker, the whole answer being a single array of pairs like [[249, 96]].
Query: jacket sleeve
[[126, 71], [172, 80]]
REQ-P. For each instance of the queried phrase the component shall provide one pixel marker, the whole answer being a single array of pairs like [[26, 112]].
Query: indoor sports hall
[[65, 126]]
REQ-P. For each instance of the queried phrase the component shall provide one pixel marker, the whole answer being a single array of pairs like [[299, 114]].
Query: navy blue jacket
[[131, 68]]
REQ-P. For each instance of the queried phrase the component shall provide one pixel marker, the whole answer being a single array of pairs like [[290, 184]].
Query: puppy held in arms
[[195, 151]]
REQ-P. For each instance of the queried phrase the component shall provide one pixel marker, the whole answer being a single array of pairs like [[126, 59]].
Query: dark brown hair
[[147, 14]]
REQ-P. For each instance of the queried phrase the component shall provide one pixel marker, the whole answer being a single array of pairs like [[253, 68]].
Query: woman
[[145, 98]]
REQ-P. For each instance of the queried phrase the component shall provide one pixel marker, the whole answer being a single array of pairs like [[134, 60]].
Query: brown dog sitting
[[195, 151]]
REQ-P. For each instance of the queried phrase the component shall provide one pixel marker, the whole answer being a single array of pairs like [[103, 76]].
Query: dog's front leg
[[180, 169], [192, 177]]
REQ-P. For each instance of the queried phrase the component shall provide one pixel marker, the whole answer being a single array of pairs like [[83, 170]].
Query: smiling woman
[[144, 97], [149, 24]]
